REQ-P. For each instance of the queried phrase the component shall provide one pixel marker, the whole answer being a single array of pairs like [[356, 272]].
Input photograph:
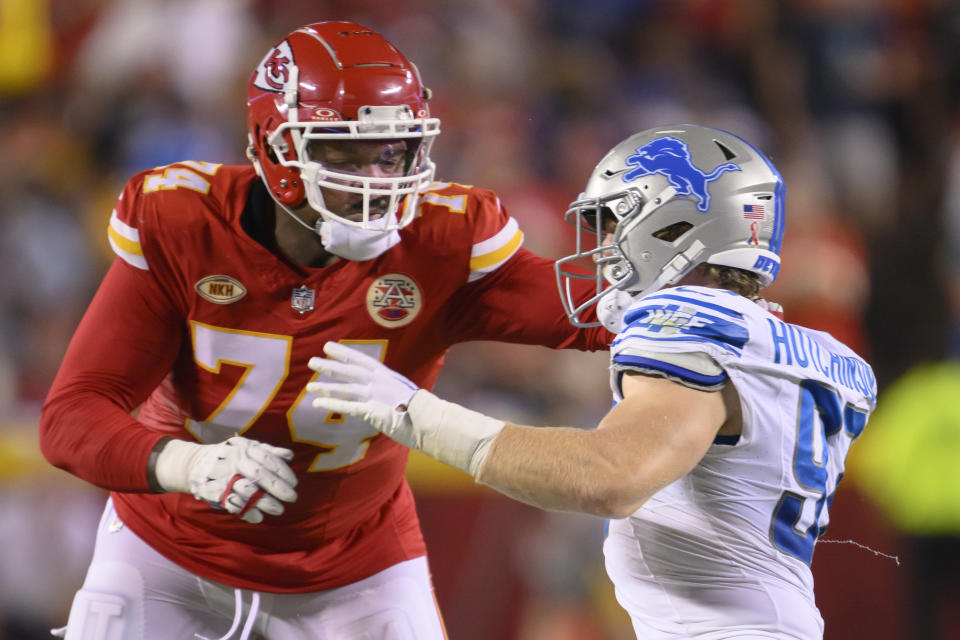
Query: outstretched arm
[[656, 435]]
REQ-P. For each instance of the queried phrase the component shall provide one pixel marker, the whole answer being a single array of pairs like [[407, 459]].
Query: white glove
[[611, 308], [242, 476], [395, 406], [383, 392]]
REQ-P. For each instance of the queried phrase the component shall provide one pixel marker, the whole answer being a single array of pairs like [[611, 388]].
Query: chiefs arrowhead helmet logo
[[273, 72]]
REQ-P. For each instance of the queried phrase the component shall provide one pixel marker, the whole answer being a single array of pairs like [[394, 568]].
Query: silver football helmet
[[673, 197]]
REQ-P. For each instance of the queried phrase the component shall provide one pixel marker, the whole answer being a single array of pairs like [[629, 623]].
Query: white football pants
[[131, 592]]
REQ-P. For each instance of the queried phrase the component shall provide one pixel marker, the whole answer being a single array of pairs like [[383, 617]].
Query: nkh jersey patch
[[220, 289], [394, 300]]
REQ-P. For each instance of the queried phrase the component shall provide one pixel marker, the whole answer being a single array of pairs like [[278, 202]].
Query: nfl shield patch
[[302, 299]]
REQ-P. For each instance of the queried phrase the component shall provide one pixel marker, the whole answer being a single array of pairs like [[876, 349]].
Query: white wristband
[[450, 433], [173, 465]]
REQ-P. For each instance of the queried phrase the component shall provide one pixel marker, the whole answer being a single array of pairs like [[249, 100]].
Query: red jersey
[[210, 331]]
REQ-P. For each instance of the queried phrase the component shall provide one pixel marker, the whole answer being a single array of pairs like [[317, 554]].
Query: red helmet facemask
[[334, 82]]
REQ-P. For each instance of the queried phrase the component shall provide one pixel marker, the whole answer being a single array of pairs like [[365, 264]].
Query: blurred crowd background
[[856, 101]]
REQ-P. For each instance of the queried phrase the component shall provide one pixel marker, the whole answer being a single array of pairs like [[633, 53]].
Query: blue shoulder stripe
[[671, 370], [700, 303], [676, 338], [666, 321]]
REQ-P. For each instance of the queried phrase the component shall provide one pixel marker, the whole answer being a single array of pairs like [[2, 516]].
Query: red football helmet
[[339, 81]]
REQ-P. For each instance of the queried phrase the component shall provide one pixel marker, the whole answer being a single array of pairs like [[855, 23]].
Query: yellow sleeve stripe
[[125, 241], [122, 228], [497, 240], [500, 255], [129, 246], [487, 256]]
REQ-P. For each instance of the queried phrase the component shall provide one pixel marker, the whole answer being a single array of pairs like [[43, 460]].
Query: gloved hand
[[611, 308], [241, 476], [393, 405], [377, 394]]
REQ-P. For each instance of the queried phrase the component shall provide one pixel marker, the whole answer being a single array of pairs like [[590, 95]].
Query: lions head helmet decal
[[672, 198], [670, 157]]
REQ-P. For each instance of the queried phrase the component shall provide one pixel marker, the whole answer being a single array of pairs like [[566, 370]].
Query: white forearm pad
[[173, 465], [450, 433]]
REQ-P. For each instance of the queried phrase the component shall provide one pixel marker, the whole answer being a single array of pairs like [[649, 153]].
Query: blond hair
[[745, 283]]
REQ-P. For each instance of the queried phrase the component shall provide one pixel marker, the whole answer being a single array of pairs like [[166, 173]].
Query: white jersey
[[725, 551]]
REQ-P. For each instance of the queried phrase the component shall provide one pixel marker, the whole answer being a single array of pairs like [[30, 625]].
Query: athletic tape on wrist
[[173, 465], [152, 481], [450, 433]]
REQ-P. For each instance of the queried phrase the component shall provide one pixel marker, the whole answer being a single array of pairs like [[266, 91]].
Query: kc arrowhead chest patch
[[394, 300]]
